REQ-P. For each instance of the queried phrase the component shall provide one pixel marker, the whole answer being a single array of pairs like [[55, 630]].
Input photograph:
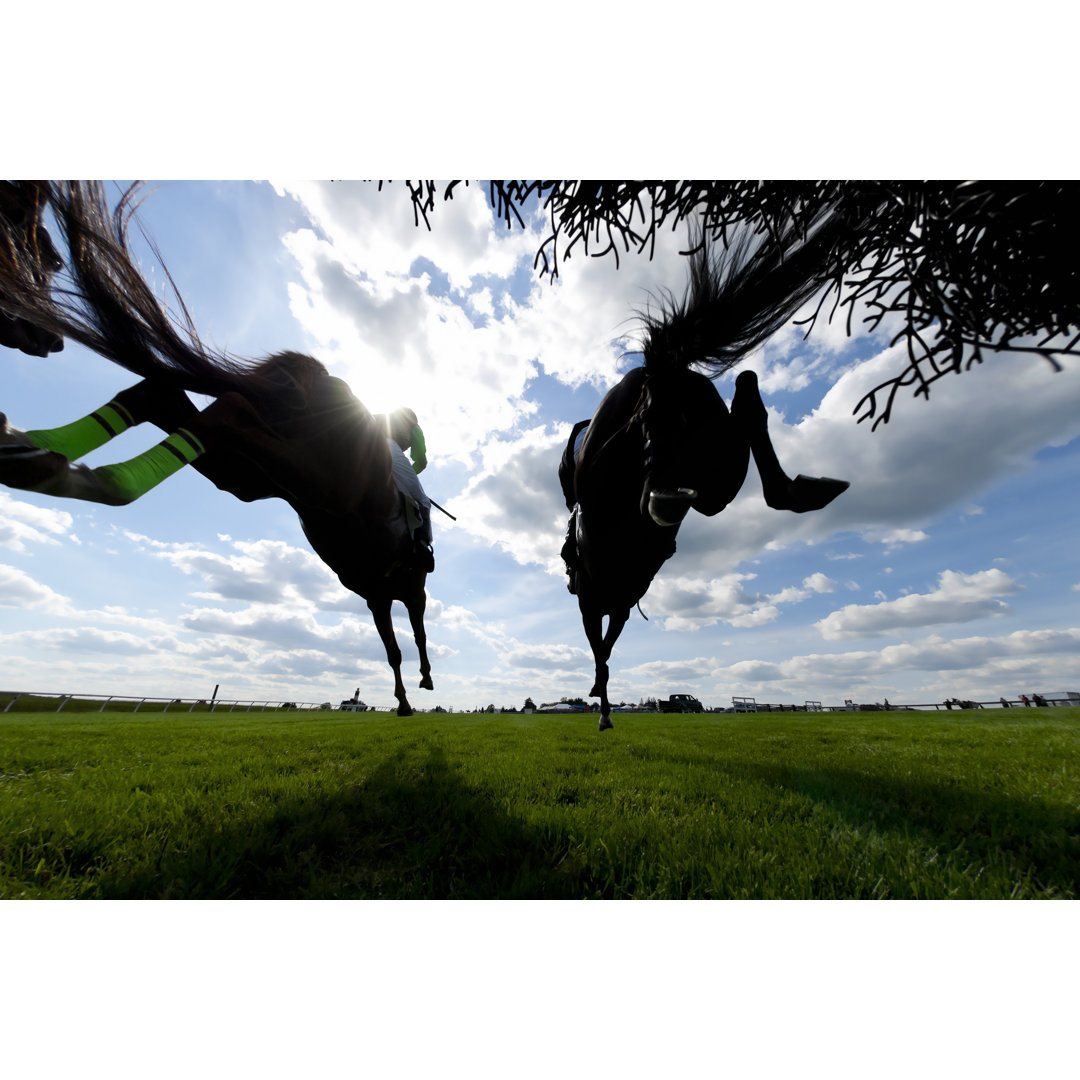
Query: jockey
[[403, 433]]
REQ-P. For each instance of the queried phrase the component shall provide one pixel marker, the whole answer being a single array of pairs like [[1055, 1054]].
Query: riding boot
[[423, 551], [423, 556]]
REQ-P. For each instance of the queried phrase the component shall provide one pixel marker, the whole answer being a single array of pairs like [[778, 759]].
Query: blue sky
[[948, 568]]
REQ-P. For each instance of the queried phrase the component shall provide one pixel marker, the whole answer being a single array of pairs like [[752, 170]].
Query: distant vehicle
[[348, 705], [680, 703]]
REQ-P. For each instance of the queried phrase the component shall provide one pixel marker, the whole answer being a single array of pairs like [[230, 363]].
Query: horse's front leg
[[380, 611], [416, 607], [601, 644], [43, 460]]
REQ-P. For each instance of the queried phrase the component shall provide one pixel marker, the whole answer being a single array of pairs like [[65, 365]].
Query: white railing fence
[[38, 698]]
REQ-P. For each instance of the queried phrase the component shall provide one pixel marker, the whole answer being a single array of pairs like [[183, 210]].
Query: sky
[[947, 569]]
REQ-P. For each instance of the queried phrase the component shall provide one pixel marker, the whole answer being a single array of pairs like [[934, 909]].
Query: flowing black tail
[[738, 297], [100, 298]]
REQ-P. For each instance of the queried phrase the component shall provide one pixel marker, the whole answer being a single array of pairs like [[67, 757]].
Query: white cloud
[[958, 598], [991, 665], [89, 639], [542, 657], [263, 571], [19, 590], [22, 523], [893, 538], [819, 583], [514, 500], [691, 603]]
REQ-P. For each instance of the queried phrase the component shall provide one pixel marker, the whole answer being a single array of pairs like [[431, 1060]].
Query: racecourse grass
[[980, 804]]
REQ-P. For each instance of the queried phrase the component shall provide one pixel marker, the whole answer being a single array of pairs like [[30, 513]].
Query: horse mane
[[738, 296], [102, 300]]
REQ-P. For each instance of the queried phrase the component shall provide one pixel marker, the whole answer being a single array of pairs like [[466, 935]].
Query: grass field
[[982, 804]]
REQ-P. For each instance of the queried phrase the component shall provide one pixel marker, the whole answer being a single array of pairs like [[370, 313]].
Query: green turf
[[979, 804]]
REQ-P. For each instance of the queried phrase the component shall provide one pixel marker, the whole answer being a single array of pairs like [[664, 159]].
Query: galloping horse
[[281, 428], [663, 442]]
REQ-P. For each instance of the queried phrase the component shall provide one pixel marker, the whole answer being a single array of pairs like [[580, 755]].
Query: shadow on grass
[[1039, 842], [408, 832]]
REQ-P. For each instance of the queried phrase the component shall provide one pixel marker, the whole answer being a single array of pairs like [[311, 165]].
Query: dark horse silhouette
[[663, 442], [282, 427]]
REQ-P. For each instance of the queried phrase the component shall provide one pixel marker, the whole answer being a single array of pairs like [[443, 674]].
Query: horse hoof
[[426, 683], [404, 710], [605, 723], [668, 508], [27, 467], [814, 493]]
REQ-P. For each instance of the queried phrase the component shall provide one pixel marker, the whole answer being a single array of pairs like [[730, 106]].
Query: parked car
[[681, 703]]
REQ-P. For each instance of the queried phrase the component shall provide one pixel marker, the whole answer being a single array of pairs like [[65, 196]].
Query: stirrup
[[668, 508]]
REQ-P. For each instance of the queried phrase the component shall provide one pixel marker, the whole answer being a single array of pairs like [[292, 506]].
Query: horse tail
[[739, 296], [100, 297]]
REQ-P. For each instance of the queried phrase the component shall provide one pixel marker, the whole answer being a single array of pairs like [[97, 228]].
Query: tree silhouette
[[970, 267]]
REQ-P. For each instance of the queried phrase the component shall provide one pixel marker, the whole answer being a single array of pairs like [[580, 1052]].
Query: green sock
[[137, 476], [75, 440]]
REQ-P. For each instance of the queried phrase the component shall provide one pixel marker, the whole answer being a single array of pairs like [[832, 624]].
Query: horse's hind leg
[[715, 439], [802, 494]]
